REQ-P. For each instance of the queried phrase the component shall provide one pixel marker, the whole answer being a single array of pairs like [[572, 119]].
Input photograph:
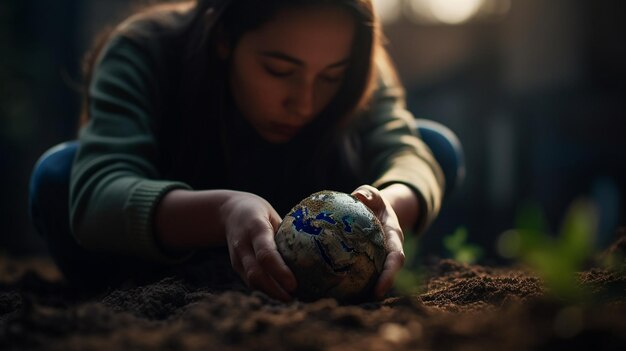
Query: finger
[[394, 237], [393, 263], [258, 279], [275, 220], [364, 190], [365, 193], [271, 261], [371, 197], [235, 259]]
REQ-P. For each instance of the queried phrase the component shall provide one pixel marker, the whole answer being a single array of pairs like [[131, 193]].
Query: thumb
[[371, 197], [364, 193], [275, 220]]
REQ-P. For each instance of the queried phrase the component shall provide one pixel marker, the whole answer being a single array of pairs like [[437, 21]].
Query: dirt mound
[[466, 307]]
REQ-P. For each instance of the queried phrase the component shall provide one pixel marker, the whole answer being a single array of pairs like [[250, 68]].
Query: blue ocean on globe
[[334, 242]]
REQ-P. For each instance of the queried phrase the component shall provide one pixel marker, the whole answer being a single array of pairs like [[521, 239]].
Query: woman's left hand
[[394, 237]]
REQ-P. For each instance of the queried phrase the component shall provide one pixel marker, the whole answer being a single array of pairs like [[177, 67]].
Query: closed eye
[[278, 73], [334, 75], [333, 79]]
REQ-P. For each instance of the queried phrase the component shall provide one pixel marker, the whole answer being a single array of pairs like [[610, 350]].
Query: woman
[[206, 122]]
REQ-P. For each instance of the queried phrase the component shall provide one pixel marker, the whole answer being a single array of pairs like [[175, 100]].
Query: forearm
[[191, 219], [404, 203]]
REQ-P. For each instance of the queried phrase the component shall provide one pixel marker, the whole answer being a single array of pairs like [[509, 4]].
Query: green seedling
[[557, 260], [459, 249]]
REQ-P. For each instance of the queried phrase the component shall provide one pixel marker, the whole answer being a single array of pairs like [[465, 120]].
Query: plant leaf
[[579, 230], [455, 241]]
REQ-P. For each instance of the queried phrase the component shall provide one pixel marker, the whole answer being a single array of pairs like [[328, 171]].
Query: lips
[[284, 129]]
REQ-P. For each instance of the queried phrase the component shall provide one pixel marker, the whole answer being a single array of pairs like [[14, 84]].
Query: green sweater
[[124, 164]]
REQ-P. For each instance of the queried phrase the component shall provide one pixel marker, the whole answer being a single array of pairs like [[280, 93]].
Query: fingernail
[[365, 193]]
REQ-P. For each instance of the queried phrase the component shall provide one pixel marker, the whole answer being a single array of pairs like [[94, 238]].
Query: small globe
[[334, 245]]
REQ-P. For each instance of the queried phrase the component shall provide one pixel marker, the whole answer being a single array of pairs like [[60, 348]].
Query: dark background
[[536, 96]]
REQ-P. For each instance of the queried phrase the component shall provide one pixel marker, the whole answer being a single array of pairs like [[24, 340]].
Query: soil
[[458, 307]]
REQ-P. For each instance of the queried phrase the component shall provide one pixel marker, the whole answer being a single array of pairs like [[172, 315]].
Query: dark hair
[[202, 71], [234, 18], [242, 16]]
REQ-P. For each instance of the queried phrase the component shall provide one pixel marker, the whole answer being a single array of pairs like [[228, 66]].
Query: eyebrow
[[282, 56]]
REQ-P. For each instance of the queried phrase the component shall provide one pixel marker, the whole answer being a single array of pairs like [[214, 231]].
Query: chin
[[277, 139]]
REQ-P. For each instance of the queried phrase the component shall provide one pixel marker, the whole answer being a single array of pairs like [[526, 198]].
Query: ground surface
[[460, 307]]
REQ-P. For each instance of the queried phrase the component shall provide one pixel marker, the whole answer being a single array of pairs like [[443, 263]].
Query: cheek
[[325, 94], [254, 93]]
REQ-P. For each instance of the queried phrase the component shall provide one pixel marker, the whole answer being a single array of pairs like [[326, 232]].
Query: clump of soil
[[460, 307]]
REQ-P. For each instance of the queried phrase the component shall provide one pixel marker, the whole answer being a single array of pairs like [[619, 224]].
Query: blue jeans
[[49, 212], [49, 206]]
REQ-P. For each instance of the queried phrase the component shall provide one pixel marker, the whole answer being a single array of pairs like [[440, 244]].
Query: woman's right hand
[[250, 223]]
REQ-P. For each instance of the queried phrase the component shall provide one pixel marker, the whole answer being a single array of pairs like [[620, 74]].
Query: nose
[[301, 101]]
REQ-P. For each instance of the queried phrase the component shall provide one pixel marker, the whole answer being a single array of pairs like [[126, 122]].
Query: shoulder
[[152, 33], [148, 40], [159, 20], [388, 84], [387, 99]]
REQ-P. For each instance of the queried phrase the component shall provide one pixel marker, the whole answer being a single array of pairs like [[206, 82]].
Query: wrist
[[404, 202], [227, 206], [191, 219]]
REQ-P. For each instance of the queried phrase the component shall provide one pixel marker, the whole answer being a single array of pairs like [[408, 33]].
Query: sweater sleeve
[[392, 151], [115, 185]]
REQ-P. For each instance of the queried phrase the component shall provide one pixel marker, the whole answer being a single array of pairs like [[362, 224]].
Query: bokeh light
[[496, 8], [445, 11], [389, 10]]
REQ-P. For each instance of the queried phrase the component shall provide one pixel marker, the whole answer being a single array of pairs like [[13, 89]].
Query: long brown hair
[[243, 16], [201, 79], [237, 17]]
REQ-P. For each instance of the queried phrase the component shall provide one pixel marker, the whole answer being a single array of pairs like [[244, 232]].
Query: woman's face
[[285, 73]]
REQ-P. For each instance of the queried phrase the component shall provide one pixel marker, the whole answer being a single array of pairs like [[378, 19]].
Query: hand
[[250, 223], [394, 237]]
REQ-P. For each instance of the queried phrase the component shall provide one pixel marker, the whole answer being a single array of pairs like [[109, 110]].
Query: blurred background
[[534, 89]]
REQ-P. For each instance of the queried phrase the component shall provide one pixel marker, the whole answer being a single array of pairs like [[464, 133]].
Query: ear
[[222, 43]]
